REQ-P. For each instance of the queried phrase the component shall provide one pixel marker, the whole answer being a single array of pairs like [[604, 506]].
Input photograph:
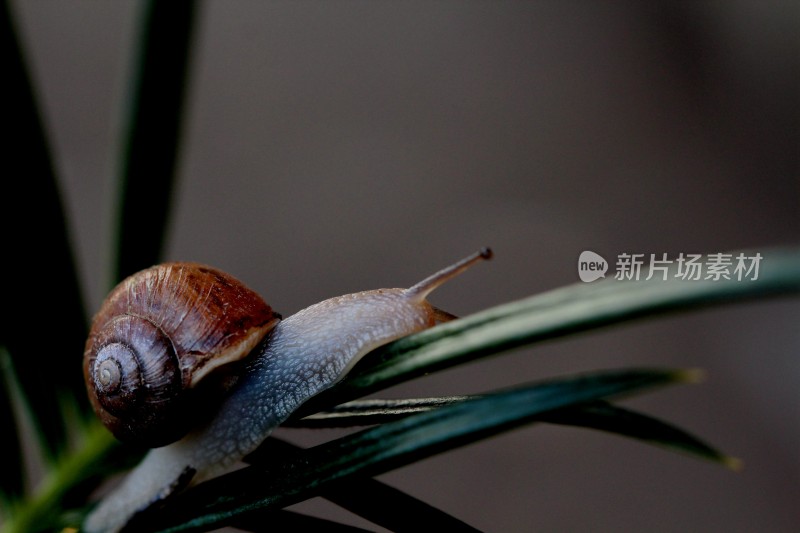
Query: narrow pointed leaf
[[372, 412], [391, 508], [599, 415], [44, 370], [610, 418], [11, 482], [386, 447], [153, 133], [371, 499], [40, 511], [571, 309]]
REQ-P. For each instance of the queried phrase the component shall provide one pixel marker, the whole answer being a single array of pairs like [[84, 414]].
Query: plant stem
[[33, 513]]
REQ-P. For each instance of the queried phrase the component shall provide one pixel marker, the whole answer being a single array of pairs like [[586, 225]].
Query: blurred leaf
[[12, 480], [41, 511], [271, 521], [45, 326], [568, 310], [371, 499], [153, 136], [386, 447], [391, 508]]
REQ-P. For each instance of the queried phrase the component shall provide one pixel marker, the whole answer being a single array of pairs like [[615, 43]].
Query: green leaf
[[40, 512], [372, 412], [599, 415], [610, 418], [153, 133], [391, 508], [12, 483], [568, 310], [36, 242], [371, 499], [386, 447]]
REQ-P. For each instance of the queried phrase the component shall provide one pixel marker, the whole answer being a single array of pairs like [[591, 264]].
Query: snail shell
[[162, 336]]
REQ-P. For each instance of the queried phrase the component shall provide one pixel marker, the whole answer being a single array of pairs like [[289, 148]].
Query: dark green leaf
[[389, 446], [38, 243], [154, 133], [604, 416], [41, 511], [571, 309], [371, 499], [372, 412], [12, 482], [391, 508], [599, 415]]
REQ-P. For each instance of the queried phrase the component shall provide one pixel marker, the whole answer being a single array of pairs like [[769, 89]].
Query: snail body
[[299, 357]]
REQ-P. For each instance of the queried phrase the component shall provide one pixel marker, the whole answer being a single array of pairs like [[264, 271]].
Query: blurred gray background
[[332, 147]]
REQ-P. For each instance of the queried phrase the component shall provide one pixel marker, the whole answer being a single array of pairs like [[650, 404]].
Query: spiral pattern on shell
[[162, 335]]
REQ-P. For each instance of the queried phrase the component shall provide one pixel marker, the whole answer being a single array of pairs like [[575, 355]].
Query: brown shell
[[161, 332]]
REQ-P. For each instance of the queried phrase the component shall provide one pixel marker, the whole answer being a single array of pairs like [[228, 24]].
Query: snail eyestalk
[[429, 284]]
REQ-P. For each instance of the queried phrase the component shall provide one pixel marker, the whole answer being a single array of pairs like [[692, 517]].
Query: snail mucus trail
[[204, 326]]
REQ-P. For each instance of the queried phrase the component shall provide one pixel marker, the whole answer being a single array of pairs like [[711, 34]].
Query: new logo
[[591, 266]]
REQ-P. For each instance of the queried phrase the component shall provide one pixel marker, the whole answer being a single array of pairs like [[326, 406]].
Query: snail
[[179, 339]]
